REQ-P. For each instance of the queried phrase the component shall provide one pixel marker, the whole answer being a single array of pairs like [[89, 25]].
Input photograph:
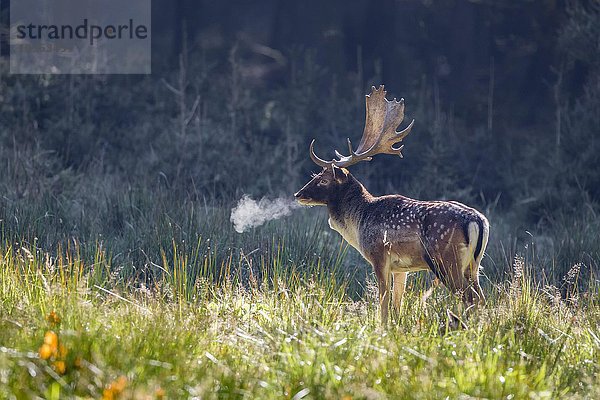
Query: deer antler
[[379, 135]]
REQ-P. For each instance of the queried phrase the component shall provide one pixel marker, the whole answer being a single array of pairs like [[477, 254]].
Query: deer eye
[[323, 182]]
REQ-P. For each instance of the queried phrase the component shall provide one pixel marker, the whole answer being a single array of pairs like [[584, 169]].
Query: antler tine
[[352, 153], [316, 159], [404, 133], [395, 139]]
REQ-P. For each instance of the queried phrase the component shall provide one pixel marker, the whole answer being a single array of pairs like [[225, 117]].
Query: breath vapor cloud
[[250, 213]]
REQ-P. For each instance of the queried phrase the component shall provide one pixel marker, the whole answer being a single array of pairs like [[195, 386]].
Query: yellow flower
[[51, 339], [160, 393], [119, 384], [107, 394], [62, 351], [50, 346], [59, 366], [114, 388], [53, 318], [45, 352]]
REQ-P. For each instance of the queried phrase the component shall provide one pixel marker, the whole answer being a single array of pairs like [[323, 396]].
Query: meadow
[[136, 295]]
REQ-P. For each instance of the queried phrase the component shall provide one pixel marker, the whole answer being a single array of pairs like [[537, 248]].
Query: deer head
[[324, 187]]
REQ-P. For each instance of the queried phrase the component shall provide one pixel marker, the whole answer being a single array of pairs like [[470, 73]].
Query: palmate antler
[[379, 136]]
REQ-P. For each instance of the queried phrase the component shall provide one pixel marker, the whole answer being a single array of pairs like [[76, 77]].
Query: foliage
[[217, 121], [73, 329]]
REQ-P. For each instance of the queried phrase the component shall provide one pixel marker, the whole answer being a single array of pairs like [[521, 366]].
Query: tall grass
[[114, 291], [235, 329]]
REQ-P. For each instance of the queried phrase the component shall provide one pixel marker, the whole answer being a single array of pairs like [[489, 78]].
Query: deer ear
[[341, 175]]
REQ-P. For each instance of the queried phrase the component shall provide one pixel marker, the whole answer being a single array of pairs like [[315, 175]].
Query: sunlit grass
[[224, 323]]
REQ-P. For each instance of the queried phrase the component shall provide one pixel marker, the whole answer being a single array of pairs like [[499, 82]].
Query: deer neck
[[345, 210]]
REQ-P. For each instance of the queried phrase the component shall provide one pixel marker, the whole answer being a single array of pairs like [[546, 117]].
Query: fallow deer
[[397, 234]]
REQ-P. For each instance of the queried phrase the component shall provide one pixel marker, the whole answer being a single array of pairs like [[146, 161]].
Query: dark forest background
[[505, 94]]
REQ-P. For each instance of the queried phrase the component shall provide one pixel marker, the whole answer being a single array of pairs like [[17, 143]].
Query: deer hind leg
[[456, 262], [474, 295], [464, 276], [477, 237], [453, 269]]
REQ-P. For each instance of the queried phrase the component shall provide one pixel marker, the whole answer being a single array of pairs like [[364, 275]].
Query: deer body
[[396, 234]]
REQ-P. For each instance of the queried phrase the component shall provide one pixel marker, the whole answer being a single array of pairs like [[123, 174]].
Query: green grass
[[279, 312], [158, 297]]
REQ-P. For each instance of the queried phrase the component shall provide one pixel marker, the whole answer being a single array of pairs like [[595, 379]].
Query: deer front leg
[[399, 287], [382, 271]]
